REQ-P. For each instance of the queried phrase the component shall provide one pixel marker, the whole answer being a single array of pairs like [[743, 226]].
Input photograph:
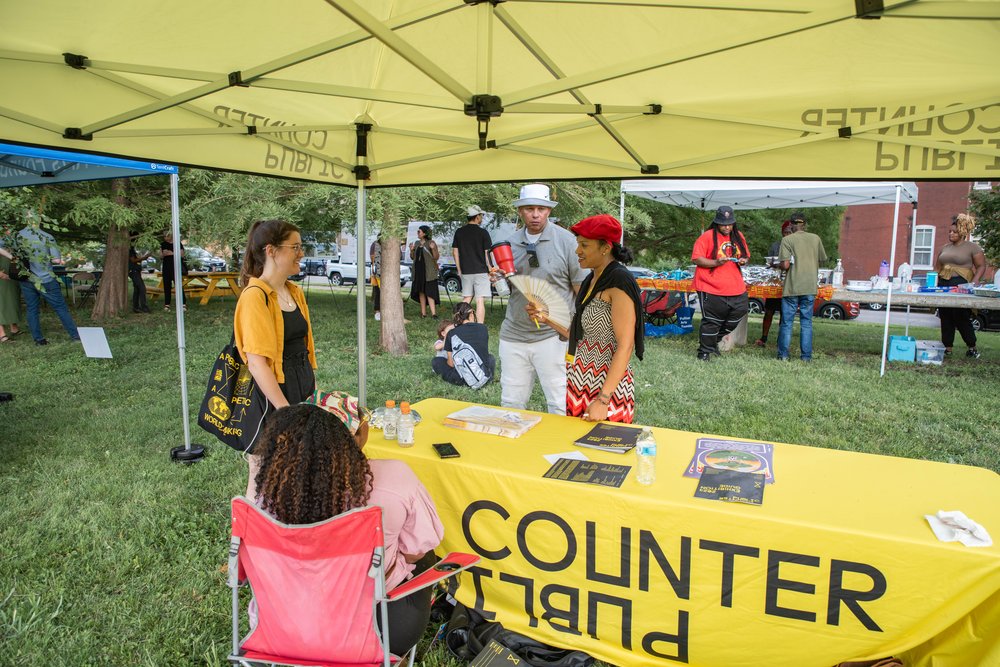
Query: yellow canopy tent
[[404, 92]]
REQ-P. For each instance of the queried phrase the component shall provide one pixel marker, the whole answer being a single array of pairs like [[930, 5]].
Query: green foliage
[[113, 555], [985, 206]]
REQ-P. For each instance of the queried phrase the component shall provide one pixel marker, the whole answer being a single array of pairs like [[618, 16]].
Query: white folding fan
[[545, 297]]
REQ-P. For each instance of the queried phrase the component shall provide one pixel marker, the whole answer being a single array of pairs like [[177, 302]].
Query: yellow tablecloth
[[837, 563]]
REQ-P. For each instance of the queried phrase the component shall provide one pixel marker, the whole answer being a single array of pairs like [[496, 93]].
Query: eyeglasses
[[296, 247], [532, 251]]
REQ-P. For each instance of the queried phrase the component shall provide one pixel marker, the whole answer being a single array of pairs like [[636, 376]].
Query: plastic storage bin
[[930, 352], [902, 348]]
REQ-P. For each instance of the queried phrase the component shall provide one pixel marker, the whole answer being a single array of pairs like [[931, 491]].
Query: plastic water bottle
[[645, 451], [390, 420], [404, 432], [883, 269], [502, 288], [838, 274]]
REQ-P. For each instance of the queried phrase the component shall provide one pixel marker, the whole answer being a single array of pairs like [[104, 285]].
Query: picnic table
[[202, 285]]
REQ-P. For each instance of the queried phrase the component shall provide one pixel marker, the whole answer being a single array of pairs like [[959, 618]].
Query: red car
[[832, 310]]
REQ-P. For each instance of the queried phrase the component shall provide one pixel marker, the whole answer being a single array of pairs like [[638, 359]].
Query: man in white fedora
[[545, 251]]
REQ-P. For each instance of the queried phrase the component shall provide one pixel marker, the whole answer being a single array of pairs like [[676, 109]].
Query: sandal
[[4, 339], [17, 333]]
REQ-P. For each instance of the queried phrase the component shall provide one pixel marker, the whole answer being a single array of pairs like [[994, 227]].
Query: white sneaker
[[378, 316]]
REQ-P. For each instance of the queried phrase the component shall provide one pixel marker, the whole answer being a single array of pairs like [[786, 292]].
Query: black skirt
[[300, 382]]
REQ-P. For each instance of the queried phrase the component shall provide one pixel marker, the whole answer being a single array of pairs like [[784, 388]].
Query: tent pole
[[362, 322], [892, 271], [186, 453], [913, 236]]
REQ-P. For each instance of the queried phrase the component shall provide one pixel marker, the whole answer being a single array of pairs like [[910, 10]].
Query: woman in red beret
[[607, 326]]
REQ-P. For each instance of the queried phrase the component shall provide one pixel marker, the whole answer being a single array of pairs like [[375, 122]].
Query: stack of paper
[[497, 421]]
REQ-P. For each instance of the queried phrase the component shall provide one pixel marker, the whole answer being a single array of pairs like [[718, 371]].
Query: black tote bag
[[234, 408]]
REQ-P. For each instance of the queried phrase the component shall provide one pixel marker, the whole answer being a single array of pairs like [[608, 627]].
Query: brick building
[[866, 231]]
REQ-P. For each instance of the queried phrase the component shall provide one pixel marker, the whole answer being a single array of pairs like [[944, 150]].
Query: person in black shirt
[[139, 304], [467, 332], [167, 253], [470, 247]]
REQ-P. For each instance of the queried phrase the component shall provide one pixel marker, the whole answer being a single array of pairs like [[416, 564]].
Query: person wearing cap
[[772, 305], [800, 254], [545, 251], [471, 247], [607, 326], [312, 468], [718, 255]]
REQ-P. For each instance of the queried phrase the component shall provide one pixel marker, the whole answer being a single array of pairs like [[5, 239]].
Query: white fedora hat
[[534, 194]]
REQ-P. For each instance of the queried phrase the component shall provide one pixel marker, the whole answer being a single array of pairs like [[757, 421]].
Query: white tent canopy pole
[[888, 298]]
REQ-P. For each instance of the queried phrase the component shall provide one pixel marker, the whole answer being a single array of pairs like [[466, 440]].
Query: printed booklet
[[732, 455], [611, 437], [496, 421]]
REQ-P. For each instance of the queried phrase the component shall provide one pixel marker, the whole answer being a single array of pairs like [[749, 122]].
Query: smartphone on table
[[446, 450]]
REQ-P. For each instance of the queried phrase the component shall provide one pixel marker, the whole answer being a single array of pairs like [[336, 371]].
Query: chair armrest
[[448, 566]]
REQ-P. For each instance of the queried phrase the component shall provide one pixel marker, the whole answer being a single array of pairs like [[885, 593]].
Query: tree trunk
[[112, 296], [392, 336]]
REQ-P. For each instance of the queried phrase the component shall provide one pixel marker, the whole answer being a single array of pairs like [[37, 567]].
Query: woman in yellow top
[[961, 261], [271, 326]]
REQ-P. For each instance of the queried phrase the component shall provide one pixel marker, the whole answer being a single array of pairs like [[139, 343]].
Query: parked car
[[199, 259], [986, 320], [346, 273], [315, 266], [448, 277], [831, 310], [641, 272]]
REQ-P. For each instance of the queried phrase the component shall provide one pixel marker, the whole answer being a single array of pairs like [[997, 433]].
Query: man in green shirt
[[800, 254]]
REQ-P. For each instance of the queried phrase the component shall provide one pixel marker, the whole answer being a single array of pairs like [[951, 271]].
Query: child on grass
[[443, 328]]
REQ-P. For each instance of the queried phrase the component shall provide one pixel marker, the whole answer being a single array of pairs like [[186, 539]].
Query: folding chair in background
[[317, 588]]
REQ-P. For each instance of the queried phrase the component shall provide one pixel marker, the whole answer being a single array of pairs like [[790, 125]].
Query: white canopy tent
[[22, 166], [710, 194], [408, 92]]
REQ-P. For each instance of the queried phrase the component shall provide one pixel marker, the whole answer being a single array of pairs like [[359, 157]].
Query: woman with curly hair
[[960, 261], [312, 468]]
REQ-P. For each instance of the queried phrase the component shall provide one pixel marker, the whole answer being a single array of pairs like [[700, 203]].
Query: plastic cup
[[932, 278], [503, 256]]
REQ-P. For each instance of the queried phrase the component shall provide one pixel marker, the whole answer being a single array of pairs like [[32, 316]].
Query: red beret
[[599, 227]]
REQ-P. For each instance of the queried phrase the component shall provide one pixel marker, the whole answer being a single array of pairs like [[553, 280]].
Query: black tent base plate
[[185, 455]]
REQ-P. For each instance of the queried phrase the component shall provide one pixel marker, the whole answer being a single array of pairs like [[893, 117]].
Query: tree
[[985, 206]]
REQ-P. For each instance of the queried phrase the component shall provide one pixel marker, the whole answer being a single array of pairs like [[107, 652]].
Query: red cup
[[503, 256]]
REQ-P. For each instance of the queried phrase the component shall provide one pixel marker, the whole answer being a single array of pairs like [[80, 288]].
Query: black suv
[[449, 278]]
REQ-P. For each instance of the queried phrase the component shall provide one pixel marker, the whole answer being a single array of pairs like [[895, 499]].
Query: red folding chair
[[317, 588]]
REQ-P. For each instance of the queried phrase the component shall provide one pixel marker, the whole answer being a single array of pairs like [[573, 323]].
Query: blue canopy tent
[[22, 166]]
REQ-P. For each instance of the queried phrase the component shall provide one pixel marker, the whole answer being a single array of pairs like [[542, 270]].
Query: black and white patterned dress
[[589, 369]]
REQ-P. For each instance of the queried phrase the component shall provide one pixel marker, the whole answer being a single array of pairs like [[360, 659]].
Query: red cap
[[785, 225], [599, 227]]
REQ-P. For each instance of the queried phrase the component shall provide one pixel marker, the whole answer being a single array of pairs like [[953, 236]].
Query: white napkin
[[956, 527], [552, 458]]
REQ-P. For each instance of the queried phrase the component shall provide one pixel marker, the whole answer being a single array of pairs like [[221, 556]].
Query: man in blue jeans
[[800, 254], [43, 284]]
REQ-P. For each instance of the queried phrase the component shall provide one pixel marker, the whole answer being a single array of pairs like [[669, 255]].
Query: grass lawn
[[110, 554]]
